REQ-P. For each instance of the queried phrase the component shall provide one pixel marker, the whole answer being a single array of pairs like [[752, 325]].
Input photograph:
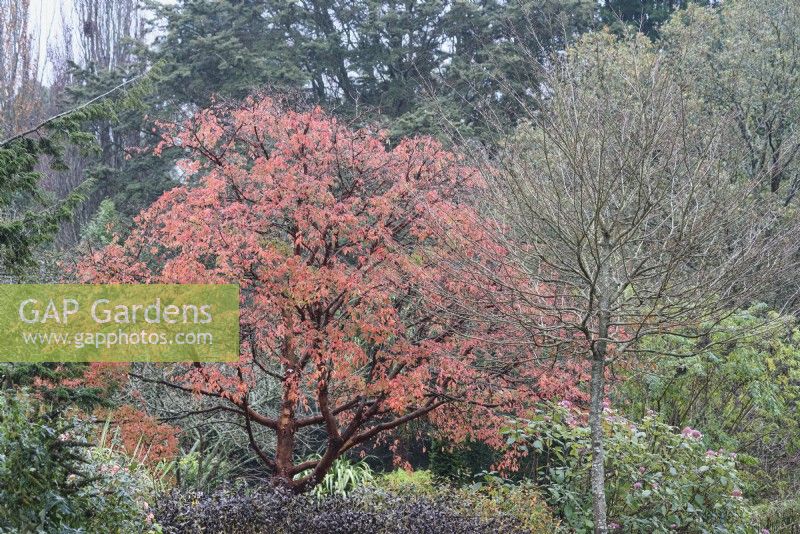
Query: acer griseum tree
[[620, 219], [330, 234]]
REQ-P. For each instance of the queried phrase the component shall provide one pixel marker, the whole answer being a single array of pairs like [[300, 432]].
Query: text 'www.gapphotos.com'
[[111, 339]]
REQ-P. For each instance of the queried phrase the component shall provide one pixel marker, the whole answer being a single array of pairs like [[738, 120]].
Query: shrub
[[743, 388], [460, 462], [245, 510], [121, 494], [521, 500], [403, 481], [778, 517], [52, 480], [657, 479], [489, 497]]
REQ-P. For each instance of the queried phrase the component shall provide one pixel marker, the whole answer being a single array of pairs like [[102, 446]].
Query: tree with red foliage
[[335, 239]]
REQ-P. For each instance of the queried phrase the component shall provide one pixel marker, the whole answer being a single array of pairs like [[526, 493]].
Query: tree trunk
[[284, 447], [598, 473], [599, 349]]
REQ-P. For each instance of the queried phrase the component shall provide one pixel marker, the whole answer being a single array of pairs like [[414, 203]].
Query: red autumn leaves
[[339, 243]]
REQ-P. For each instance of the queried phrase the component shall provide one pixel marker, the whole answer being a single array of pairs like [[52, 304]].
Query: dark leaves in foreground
[[369, 510]]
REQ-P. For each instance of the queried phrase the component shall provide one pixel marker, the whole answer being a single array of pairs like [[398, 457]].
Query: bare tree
[[620, 220], [108, 31], [101, 39], [20, 87]]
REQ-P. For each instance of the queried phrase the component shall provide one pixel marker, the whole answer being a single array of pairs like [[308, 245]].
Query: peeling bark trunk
[[285, 433]]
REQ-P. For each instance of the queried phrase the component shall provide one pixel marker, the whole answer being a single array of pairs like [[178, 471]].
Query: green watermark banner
[[119, 323]]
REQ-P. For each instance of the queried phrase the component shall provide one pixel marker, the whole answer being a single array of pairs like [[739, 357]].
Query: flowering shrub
[[659, 479], [743, 388], [123, 491]]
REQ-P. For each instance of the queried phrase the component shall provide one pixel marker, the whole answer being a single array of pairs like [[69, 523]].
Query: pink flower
[[736, 492], [637, 485], [642, 470], [689, 432], [613, 526], [565, 404]]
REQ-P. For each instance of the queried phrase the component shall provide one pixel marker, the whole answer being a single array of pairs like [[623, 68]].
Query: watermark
[[116, 323]]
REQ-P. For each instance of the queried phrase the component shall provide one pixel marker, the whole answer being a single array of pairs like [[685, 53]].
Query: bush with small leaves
[[367, 510]]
